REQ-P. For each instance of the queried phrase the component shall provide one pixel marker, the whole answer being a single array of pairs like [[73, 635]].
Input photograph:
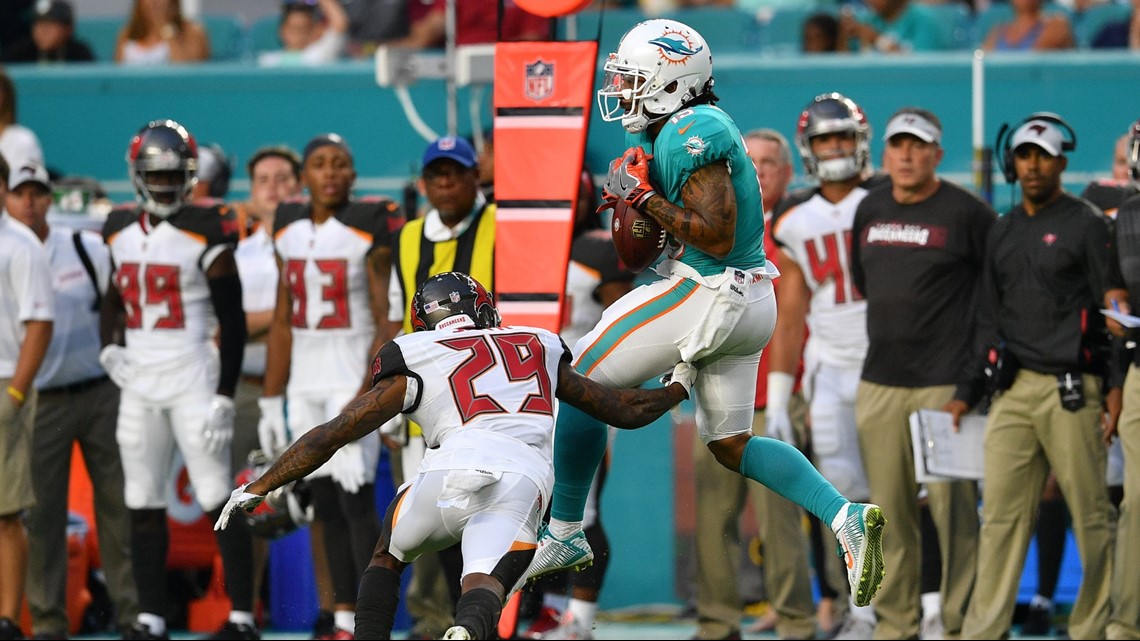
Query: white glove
[[219, 429], [239, 499], [347, 467], [113, 358], [271, 431], [777, 422], [683, 373]]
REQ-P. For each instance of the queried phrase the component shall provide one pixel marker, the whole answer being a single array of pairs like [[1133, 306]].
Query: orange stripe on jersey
[[669, 292], [396, 512], [198, 237], [360, 232]]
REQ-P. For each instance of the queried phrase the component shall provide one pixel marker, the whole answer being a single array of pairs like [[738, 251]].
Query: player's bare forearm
[[112, 318], [367, 412], [279, 341], [708, 219], [627, 409]]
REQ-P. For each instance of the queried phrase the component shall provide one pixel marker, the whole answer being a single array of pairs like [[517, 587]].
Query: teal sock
[[786, 471], [579, 445]]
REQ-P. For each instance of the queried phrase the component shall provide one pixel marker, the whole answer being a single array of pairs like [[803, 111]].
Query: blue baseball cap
[[453, 147]]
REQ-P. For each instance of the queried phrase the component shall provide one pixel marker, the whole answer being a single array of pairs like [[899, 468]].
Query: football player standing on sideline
[[812, 228], [26, 316], [687, 168], [78, 405], [334, 257], [174, 263], [484, 396]]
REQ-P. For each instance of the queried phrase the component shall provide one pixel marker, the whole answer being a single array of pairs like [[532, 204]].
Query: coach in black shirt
[[1044, 282]]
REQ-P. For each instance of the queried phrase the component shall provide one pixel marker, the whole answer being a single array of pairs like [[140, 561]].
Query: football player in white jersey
[[176, 286], [812, 228], [485, 397], [334, 257]]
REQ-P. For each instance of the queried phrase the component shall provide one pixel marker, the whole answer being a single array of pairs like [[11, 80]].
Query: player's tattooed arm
[[627, 409], [366, 413], [708, 219]]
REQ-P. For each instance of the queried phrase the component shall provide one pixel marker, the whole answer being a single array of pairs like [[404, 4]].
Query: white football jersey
[[325, 269], [160, 273], [484, 397], [816, 234]]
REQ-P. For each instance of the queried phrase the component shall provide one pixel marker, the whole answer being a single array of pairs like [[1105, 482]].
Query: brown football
[[638, 238]]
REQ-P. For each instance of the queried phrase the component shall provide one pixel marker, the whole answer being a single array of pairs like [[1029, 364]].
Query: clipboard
[[940, 453]]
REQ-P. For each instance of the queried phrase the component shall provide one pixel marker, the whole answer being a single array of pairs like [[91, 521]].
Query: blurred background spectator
[[374, 22], [18, 144], [158, 33], [52, 38], [1031, 28], [312, 32], [821, 34], [893, 26], [1120, 33]]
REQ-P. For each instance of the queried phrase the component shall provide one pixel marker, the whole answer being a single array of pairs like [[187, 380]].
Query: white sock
[[583, 612], [840, 517], [556, 602], [345, 620], [242, 618], [931, 604], [1039, 601], [153, 622], [863, 612], [563, 530]]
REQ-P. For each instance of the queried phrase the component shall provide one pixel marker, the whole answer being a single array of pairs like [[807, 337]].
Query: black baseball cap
[[56, 11]]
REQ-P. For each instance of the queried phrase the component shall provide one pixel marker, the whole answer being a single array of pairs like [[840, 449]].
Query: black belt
[[74, 388]]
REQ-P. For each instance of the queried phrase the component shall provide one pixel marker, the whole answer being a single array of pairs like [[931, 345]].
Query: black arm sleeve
[[225, 294]]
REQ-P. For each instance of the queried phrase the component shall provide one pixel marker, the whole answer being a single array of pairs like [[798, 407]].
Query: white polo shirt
[[25, 288]]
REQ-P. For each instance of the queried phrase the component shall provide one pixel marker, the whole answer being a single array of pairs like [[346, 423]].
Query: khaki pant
[[88, 417], [1125, 621], [1028, 433], [16, 493], [720, 497], [882, 415]]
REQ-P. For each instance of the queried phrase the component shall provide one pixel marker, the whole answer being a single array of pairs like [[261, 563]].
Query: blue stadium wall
[[85, 115]]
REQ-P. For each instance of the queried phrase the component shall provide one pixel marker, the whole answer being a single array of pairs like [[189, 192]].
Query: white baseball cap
[[1042, 133], [915, 125], [29, 172]]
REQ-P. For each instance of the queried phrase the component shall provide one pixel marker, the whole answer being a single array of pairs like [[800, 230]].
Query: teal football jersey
[[691, 139]]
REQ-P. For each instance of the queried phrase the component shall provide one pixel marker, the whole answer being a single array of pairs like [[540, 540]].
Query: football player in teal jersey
[[687, 168]]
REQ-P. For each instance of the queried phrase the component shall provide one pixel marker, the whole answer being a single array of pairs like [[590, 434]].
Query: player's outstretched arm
[[627, 409], [367, 412]]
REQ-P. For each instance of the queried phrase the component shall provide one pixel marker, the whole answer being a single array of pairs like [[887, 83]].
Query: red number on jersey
[[831, 265], [162, 286], [523, 357], [334, 291]]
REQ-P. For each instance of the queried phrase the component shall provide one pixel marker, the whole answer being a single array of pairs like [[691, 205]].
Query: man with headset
[[1045, 279]]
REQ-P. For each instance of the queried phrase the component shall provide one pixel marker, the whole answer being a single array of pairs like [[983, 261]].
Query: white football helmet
[[829, 113], [659, 67]]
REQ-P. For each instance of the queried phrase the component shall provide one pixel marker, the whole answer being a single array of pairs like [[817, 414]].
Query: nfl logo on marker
[[539, 80]]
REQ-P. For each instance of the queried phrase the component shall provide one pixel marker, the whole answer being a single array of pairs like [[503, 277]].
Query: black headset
[[1005, 154]]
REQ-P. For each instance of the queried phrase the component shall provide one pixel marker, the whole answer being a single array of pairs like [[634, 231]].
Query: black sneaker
[[325, 625], [236, 631], [9, 629], [140, 631], [1038, 621]]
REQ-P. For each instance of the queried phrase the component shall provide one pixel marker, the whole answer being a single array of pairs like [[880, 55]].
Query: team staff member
[[456, 234], [1045, 279], [917, 250], [334, 259], [26, 315], [1125, 283], [78, 404]]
